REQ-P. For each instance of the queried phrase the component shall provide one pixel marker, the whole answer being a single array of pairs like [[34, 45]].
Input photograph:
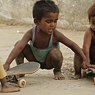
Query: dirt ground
[[42, 82]]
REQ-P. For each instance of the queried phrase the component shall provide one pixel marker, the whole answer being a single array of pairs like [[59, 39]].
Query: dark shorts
[[92, 62], [42, 66]]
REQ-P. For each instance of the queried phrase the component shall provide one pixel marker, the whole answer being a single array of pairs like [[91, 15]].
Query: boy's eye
[[50, 21]]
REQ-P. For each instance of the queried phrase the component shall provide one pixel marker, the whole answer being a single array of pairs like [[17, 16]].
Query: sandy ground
[[42, 82]]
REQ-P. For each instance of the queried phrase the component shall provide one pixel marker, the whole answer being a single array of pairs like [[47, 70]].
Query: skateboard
[[25, 68], [90, 72]]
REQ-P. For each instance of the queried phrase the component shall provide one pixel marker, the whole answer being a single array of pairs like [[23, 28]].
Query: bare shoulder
[[58, 34], [88, 36], [88, 32], [60, 37], [28, 33], [27, 36]]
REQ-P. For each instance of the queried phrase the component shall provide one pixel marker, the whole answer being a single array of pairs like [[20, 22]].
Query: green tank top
[[41, 54]]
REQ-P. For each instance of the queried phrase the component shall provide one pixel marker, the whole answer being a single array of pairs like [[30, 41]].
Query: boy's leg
[[54, 60], [20, 58], [26, 53], [5, 88], [77, 66]]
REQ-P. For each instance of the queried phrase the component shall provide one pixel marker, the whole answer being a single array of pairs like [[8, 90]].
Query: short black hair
[[42, 7], [91, 12]]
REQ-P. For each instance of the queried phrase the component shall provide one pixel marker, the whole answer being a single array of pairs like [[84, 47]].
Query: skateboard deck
[[90, 72], [25, 68]]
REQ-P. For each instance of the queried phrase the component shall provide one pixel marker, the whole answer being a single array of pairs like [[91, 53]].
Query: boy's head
[[42, 7], [91, 13]]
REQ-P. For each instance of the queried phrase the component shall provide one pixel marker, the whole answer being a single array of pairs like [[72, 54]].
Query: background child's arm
[[86, 46]]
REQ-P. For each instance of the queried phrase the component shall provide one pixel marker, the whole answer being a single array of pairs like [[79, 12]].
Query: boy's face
[[48, 22], [92, 21]]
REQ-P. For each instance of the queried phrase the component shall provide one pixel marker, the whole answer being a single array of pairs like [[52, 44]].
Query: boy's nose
[[52, 24]]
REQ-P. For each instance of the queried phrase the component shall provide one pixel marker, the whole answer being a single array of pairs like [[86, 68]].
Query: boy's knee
[[56, 55], [77, 58]]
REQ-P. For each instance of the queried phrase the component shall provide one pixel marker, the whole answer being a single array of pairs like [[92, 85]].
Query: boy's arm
[[72, 45]]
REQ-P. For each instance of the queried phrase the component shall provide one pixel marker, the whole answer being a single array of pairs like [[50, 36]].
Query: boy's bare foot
[[9, 89], [58, 76]]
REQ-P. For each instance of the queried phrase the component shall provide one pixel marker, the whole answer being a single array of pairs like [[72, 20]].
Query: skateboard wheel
[[21, 83]]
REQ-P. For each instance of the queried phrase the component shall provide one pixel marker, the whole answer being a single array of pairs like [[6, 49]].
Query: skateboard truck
[[13, 79]]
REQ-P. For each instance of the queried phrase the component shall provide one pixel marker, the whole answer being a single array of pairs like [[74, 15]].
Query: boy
[[88, 44], [44, 41]]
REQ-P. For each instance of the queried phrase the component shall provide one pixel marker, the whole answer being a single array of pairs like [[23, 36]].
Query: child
[[44, 41], [5, 87], [89, 44]]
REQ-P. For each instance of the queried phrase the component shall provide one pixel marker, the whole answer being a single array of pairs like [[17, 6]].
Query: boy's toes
[[58, 76]]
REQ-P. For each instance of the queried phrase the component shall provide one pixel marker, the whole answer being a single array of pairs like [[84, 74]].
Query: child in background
[[88, 44], [5, 88], [43, 41]]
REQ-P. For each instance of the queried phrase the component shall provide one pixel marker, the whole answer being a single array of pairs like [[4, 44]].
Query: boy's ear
[[36, 21]]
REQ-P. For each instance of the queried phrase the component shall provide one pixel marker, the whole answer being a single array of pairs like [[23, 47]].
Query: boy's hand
[[84, 65], [91, 66]]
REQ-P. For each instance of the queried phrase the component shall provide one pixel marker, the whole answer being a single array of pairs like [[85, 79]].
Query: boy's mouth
[[50, 31]]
